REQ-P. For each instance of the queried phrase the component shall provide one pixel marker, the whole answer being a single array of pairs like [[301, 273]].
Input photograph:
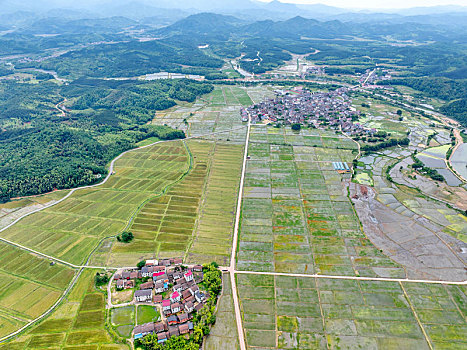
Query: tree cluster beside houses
[[172, 286], [299, 106]]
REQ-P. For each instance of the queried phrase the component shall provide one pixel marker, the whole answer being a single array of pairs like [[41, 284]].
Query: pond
[[459, 160]]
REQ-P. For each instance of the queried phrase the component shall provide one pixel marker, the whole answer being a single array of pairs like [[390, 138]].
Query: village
[[299, 106], [170, 287]]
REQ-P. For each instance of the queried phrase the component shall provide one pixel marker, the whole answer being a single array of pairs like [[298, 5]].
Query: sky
[[381, 4]]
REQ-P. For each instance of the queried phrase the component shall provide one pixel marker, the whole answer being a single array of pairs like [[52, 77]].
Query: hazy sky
[[379, 3]]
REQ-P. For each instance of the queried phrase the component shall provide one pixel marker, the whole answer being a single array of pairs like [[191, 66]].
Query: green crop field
[[29, 287], [147, 314], [215, 112], [156, 226], [224, 334], [123, 320], [213, 236]]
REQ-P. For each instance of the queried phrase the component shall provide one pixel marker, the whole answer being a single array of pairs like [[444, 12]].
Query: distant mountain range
[[40, 16], [243, 8], [211, 26]]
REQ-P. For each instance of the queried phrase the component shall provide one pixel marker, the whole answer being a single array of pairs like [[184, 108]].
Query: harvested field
[[71, 229]]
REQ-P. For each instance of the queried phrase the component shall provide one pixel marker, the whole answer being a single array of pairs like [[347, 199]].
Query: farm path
[[355, 278], [86, 265]]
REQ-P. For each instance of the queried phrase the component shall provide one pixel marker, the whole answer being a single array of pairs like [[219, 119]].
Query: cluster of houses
[[314, 70], [370, 77], [170, 286], [333, 109]]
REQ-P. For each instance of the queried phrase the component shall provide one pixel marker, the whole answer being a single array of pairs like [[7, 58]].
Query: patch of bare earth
[[416, 243]]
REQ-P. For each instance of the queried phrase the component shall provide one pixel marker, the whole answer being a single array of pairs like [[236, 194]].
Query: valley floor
[[307, 263]]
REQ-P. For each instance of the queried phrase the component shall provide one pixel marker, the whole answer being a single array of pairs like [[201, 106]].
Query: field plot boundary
[[81, 268], [47, 312], [233, 272], [355, 278]]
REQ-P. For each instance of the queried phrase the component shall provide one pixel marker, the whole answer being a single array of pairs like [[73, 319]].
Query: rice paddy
[[296, 215], [29, 286], [79, 323], [179, 199], [71, 229], [281, 312]]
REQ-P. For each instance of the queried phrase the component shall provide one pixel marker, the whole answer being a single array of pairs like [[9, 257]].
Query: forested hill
[[47, 151]]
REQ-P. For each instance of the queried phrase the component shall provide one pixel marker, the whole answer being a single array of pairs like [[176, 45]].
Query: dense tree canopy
[[42, 150]]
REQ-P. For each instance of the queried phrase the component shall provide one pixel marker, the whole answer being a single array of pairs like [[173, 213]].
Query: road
[[233, 256], [355, 278], [81, 268], [231, 269], [369, 76]]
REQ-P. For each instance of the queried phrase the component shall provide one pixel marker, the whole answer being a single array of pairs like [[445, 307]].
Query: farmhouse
[[176, 307], [175, 296], [160, 327], [173, 331], [189, 307], [184, 328], [143, 295], [162, 337], [147, 285], [160, 287], [172, 320], [185, 298], [165, 305], [183, 318], [189, 276], [125, 284]]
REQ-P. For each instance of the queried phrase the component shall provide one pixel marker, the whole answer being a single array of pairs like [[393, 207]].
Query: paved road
[[238, 315], [230, 269], [80, 267]]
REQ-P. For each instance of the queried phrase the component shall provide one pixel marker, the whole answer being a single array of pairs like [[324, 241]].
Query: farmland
[[79, 323], [224, 332], [71, 229], [307, 313], [193, 219], [11, 211], [216, 112], [29, 287], [297, 217]]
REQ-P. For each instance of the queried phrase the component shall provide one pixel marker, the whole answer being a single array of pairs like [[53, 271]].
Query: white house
[[143, 295]]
